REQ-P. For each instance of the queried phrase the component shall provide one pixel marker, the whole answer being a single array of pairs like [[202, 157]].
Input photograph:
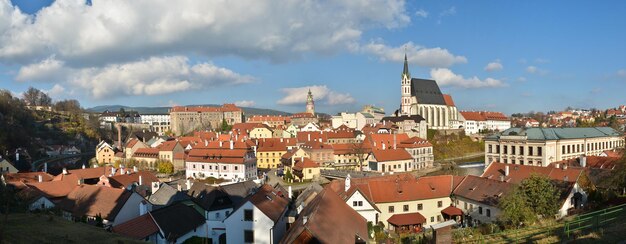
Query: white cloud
[[494, 66], [153, 76], [49, 69], [421, 13], [621, 73], [448, 12], [446, 77], [245, 103], [117, 31], [536, 70], [56, 91], [521, 79], [298, 95], [541, 60], [422, 56]]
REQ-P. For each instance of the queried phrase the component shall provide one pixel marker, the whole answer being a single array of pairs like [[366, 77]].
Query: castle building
[[310, 104], [423, 97]]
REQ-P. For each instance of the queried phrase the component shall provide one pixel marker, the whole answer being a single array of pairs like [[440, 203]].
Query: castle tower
[[310, 104], [405, 103]]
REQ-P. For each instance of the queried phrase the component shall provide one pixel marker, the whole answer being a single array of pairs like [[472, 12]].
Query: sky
[[507, 56]]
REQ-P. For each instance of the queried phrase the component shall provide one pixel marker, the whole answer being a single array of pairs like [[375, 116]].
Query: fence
[[594, 220]]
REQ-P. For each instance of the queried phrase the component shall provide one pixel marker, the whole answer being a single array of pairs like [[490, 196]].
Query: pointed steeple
[[406, 68]]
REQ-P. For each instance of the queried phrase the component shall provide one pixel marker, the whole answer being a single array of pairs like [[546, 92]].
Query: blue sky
[[509, 56]]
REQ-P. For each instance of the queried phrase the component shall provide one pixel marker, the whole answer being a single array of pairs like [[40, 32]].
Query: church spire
[[406, 68]]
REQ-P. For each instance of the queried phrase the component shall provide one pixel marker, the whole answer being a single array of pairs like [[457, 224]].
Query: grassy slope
[[33, 228]]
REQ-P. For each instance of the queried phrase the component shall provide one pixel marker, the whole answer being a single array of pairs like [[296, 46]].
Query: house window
[[236, 167], [432, 219], [217, 215], [405, 208], [438, 218], [391, 209], [247, 215], [488, 212], [420, 206], [248, 236], [530, 151], [440, 204], [360, 203], [355, 203], [539, 151], [224, 167], [480, 210]]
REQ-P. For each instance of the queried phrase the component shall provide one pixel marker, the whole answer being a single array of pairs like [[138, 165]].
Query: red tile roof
[[517, 173], [452, 211], [305, 136], [483, 190], [125, 180], [168, 145], [269, 202], [378, 140], [308, 163], [384, 155], [484, 116], [92, 200], [406, 219], [146, 153], [414, 142], [137, 228], [448, 100]]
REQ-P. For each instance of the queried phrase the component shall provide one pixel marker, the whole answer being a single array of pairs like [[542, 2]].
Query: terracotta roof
[[398, 187], [131, 143], [484, 115], [56, 188], [517, 173], [406, 219], [350, 148], [308, 163], [414, 142], [272, 147], [306, 136], [611, 153], [302, 115], [267, 200], [264, 118], [346, 223], [448, 99], [125, 180], [592, 162], [168, 145], [137, 228], [340, 134], [27, 177], [452, 211], [86, 173], [315, 145], [483, 190], [92, 200], [384, 155], [146, 153], [378, 140]]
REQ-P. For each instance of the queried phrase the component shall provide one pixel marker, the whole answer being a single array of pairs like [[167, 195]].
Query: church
[[423, 97]]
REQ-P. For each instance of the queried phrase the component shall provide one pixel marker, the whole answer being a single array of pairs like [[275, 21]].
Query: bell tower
[[405, 103], [310, 104]]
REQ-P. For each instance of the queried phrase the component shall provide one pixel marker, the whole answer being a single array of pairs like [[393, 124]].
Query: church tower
[[310, 104], [405, 104]]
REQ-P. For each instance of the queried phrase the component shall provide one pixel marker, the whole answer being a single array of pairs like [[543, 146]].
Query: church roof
[[427, 92], [406, 67]]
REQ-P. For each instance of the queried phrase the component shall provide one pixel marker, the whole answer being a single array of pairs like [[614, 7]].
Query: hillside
[[164, 110]]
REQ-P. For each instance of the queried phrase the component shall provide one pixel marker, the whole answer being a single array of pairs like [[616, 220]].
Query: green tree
[[165, 167], [225, 126], [541, 195], [514, 208]]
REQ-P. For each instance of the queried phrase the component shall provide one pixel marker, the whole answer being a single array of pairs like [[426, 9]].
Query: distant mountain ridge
[[164, 110]]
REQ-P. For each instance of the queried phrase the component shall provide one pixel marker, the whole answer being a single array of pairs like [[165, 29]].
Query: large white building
[[542, 146], [353, 120], [159, 123], [423, 97], [234, 161], [475, 122]]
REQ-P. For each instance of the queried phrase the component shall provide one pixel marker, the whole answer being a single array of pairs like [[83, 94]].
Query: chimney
[[112, 171], [347, 183], [119, 136], [40, 178], [156, 186], [135, 169], [231, 145], [140, 180], [384, 146], [220, 144], [206, 143], [558, 166], [281, 139], [143, 208], [308, 137], [304, 219], [188, 184], [95, 166], [180, 188], [394, 141], [64, 171], [583, 161], [45, 167], [122, 170], [506, 170], [290, 192], [83, 166]]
